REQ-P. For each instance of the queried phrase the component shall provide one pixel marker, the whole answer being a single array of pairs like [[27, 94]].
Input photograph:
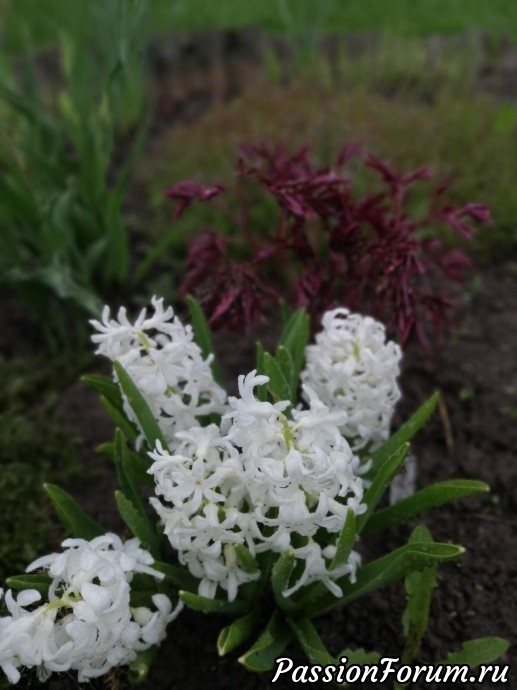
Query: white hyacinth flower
[[87, 624], [352, 369], [259, 481], [165, 363]]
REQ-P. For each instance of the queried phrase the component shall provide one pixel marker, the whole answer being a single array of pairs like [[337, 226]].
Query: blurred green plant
[[402, 17], [64, 171]]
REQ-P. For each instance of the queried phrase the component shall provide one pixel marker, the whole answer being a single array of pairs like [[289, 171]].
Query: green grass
[[403, 17]]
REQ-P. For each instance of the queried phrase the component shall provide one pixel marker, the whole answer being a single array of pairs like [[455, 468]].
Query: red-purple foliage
[[188, 191], [328, 247]]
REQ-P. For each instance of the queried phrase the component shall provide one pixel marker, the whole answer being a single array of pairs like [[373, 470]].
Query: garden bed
[[474, 436]]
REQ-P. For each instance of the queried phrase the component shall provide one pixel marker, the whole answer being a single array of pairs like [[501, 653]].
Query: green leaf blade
[[278, 385], [295, 337], [346, 541], [382, 480], [419, 586], [476, 652], [120, 420], [196, 602], [311, 642], [105, 386], [270, 644], [137, 522], [148, 423], [405, 433], [178, 576], [385, 570], [79, 523], [203, 334], [237, 632], [430, 497], [41, 583], [280, 576]]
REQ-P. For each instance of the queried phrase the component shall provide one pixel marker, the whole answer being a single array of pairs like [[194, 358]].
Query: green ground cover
[[407, 17]]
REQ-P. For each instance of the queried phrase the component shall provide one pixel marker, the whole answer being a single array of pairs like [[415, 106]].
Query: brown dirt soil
[[474, 437]]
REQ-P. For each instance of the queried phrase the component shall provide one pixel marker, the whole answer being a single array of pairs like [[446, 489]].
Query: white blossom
[[351, 368], [87, 624], [258, 481], [165, 363]]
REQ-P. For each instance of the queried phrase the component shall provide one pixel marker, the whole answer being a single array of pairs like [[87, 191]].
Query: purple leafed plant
[[327, 245]]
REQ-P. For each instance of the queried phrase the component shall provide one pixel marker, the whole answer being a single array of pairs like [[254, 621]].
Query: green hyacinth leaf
[[41, 583], [237, 632], [273, 640], [77, 521], [430, 497], [148, 423]]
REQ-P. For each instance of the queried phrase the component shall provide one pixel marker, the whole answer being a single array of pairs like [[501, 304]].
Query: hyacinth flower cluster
[[262, 496], [270, 474], [81, 619], [378, 253]]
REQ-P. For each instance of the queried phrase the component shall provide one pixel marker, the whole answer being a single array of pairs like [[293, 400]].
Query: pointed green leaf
[[137, 522], [244, 558], [430, 497], [120, 420], [126, 474], [106, 387], [141, 582], [311, 642], [131, 504], [419, 589], [344, 545], [178, 576], [237, 632], [382, 480], [139, 465], [139, 667], [273, 640], [30, 581], [278, 385], [206, 605], [476, 652], [203, 334], [79, 523], [294, 338], [142, 598], [285, 362], [346, 541], [404, 434], [384, 571], [280, 575], [148, 423]]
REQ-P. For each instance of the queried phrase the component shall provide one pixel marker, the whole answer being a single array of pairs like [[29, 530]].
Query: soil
[[474, 436]]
